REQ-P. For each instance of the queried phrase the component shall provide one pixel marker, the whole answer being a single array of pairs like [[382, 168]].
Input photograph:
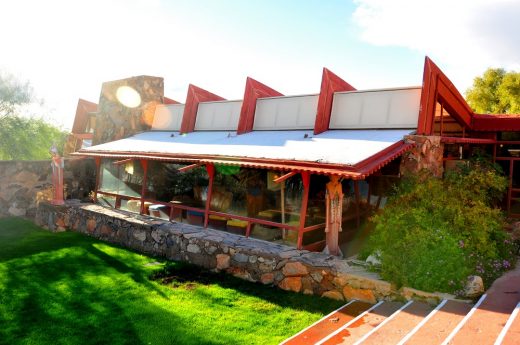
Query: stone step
[[362, 325], [328, 324], [438, 324], [400, 325]]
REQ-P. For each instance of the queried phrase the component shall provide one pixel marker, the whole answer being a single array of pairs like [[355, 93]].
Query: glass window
[[123, 177], [167, 184]]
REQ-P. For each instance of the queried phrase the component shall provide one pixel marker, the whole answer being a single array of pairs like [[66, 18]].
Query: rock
[[374, 258], [223, 261], [333, 295], [291, 284], [240, 273], [429, 297], [292, 269], [193, 248], [317, 276], [105, 230], [239, 257], [474, 287], [211, 250], [91, 225], [156, 236], [267, 278], [139, 235], [17, 211], [253, 259], [363, 295]]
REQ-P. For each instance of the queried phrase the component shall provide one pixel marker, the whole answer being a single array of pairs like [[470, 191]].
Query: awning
[[350, 153]]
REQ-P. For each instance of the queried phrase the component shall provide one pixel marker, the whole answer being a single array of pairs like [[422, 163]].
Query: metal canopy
[[353, 153]]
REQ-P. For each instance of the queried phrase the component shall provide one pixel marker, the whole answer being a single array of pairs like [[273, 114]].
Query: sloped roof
[[354, 153]]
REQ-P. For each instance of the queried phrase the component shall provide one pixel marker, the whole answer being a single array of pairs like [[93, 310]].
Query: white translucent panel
[[168, 117], [218, 116], [395, 108], [291, 112]]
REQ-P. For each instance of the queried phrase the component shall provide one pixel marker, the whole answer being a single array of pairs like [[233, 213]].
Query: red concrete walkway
[[492, 320]]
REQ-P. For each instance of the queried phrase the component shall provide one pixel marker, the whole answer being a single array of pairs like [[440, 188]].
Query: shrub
[[433, 233]]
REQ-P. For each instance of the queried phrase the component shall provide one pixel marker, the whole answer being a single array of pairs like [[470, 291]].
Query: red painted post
[[303, 211], [358, 200], [98, 175], [144, 164], [57, 165], [210, 168]]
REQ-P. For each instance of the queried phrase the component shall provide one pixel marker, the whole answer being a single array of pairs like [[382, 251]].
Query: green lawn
[[67, 288]]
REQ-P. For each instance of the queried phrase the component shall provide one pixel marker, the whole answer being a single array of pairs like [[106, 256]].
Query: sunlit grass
[[67, 288]]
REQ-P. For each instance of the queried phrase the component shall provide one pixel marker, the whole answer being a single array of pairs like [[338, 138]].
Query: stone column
[[115, 120], [425, 156], [334, 200]]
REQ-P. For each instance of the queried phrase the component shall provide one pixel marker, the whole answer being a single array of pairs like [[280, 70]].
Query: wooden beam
[[334, 219]]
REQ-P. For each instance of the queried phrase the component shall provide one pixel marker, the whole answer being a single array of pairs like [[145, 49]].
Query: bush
[[433, 233]]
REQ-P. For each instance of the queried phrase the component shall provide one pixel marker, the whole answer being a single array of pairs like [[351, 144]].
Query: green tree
[[23, 138], [495, 92], [13, 94]]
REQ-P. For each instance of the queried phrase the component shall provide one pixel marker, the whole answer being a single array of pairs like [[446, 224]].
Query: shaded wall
[[426, 155], [23, 184]]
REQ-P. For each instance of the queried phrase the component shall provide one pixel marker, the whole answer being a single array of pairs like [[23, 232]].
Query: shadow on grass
[[184, 275], [62, 289]]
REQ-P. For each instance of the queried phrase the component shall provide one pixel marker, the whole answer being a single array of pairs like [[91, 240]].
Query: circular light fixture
[[128, 97]]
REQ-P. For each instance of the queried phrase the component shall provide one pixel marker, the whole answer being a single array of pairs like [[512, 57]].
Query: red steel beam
[[254, 90], [82, 114], [303, 211], [167, 100], [144, 164], [330, 83], [210, 168], [189, 167], [284, 177], [438, 88], [194, 97]]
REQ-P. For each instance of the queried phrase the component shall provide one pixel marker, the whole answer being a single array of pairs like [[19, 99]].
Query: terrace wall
[[23, 184], [253, 260]]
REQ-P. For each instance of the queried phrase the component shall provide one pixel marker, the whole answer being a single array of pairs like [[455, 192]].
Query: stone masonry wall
[[426, 155], [253, 260], [23, 184], [115, 121]]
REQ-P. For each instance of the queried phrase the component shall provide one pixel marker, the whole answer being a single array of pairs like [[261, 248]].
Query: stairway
[[493, 320]]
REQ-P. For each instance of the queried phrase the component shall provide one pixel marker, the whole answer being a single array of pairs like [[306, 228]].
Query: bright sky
[[66, 49]]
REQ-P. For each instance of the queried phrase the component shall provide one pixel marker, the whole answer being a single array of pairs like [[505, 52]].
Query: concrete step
[[396, 328], [510, 334], [328, 324], [357, 328], [439, 324], [488, 320]]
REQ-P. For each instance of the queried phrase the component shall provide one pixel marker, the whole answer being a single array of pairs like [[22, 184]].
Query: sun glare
[[128, 97]]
